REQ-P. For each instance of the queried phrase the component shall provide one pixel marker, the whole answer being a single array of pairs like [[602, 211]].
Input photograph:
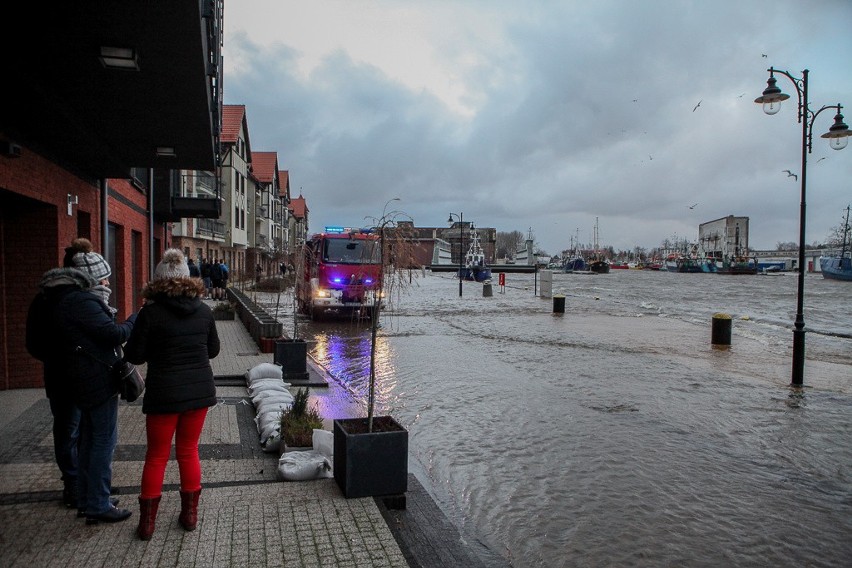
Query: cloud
[[544, 115]]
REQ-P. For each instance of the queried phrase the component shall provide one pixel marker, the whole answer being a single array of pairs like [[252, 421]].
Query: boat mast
[[844, 242]]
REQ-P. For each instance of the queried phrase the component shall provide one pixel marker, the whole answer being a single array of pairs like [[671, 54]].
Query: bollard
[[721, 331], [486, 289], [558, 303]]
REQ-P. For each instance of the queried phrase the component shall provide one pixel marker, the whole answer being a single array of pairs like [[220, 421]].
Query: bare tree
[[508, 243]]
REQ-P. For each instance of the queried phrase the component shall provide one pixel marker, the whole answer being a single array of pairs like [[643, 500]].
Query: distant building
[[428, 246], [724, 238]]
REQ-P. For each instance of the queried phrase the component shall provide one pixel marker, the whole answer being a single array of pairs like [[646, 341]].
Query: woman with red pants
[[175, 334]]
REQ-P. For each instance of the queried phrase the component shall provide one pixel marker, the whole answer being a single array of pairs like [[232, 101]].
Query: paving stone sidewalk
[[247, 517]]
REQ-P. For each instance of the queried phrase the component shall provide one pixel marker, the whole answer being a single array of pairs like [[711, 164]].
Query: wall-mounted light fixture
[[10, 149], [72, 201], [165, 152], [119, 58]]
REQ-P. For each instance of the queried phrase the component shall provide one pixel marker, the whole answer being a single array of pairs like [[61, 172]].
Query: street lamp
[[461, 246], [838, 136]]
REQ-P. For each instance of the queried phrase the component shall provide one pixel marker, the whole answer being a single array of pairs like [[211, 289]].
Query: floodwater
[[615, 434]]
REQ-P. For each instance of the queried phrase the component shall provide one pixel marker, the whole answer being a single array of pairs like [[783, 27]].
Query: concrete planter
[[292, 355], [370, 463]]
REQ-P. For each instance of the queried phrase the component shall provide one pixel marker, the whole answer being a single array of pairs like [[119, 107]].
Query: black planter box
[[370, 463], [292, 355]]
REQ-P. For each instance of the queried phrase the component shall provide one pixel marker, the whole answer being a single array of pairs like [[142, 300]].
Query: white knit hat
[[173, 265], [93, 263]]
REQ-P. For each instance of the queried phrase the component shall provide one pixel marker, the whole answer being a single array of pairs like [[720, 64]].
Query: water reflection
[[345, 352]]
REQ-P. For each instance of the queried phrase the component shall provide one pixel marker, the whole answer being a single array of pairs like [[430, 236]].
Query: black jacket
[[175, 334], [74, 333]]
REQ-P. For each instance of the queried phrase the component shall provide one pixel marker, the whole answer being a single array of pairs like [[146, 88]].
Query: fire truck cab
[[341, 274]]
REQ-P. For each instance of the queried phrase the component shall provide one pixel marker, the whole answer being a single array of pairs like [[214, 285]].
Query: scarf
[[103, 292]]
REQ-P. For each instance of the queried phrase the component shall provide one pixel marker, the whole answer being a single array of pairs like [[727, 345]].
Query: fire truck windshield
[[346, 251]]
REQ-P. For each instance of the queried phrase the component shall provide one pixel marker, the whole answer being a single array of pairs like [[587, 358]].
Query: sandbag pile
[[269, 394]]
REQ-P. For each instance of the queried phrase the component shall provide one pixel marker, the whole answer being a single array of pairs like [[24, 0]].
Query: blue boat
[[475, 267], [839, 267]]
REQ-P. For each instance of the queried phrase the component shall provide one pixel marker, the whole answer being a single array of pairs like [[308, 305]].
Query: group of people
[[214, 274], [72, 329]]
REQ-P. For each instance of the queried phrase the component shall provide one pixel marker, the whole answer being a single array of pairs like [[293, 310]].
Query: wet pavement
[[246, 515]]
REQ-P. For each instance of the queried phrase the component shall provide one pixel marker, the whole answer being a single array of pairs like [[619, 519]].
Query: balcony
[[212, 228]]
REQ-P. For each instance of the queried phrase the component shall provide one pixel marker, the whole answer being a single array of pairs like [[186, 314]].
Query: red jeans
[[185, 428]]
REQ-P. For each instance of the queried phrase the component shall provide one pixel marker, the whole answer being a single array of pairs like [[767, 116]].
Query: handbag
[[130, 383], [125, 375]]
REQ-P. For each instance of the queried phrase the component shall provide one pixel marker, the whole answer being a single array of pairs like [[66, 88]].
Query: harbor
[[615, 434]]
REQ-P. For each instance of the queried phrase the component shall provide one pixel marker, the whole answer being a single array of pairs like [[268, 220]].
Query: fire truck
[[341, 273]]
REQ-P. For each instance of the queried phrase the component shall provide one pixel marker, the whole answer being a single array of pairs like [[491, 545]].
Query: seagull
[[696, 106], [821, 159], [692, 206], [650, 157], [741, 96], [791, 174], [763, 55]]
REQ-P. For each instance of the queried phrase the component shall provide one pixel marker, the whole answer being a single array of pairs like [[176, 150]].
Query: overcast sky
[[547, 115]]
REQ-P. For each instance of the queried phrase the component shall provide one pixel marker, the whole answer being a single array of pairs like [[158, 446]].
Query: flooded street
[[614, 434]]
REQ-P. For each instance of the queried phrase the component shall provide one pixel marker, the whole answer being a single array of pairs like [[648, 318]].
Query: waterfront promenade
[[247, 517]]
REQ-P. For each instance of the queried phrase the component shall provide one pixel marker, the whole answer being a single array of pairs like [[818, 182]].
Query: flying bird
[[696, 106], [763, 55], [692, 206], [821, 159], [741, 96], [791, 174]]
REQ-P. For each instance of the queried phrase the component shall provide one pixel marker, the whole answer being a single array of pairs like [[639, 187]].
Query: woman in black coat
[[175, 334]]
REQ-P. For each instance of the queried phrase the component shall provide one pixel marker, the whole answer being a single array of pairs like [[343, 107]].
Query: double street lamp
[[838, 137], [461, 246]]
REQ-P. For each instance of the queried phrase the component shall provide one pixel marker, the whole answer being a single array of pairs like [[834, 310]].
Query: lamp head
[[772, 96], [838, 135]]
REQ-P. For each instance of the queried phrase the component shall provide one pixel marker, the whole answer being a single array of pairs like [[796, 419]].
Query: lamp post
[[838, 137], [461, 246]]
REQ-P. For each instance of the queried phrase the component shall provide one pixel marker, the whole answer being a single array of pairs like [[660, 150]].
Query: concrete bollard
[[721, 330], [559, 303], [487, 292]]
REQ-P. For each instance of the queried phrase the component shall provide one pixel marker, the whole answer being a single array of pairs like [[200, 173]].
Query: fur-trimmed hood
[[173, 287], [179, 295], [67, 277]]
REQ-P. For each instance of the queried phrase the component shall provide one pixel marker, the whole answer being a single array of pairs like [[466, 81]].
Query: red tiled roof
[[264, 165], [233, 117], [298, 207], [284, 184]]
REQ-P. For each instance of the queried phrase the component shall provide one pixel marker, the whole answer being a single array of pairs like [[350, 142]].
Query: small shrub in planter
[[299, 422], [223, 311]]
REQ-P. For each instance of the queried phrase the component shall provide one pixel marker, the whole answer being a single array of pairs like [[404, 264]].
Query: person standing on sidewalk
[[176, 336], [86, 333], [55, 284]]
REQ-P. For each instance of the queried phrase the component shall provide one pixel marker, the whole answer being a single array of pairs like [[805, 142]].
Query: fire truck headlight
[[322, 293]]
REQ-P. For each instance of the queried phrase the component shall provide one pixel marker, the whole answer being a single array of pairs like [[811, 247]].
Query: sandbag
[[266, 385], [302, 466], [323, 442], [263, 371]]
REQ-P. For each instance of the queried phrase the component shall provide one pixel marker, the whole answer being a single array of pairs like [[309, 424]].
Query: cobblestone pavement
[[247, 517]]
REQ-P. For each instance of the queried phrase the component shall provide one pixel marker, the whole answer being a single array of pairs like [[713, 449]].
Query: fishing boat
[[475, 267], [839, 267], [738, 263], [575, 262], [597, 263]]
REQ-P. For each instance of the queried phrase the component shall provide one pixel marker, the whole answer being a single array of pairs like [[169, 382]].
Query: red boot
[[189, 509], [147, 516]]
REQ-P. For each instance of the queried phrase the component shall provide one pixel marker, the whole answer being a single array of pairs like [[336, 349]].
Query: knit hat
[[173, 265], [77, 245], [93, 263]]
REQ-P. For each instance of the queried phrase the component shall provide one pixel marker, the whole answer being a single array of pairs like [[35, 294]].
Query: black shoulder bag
[[127, 377]]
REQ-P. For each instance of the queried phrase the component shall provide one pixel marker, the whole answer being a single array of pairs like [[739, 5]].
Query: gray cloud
[[555, 138]]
